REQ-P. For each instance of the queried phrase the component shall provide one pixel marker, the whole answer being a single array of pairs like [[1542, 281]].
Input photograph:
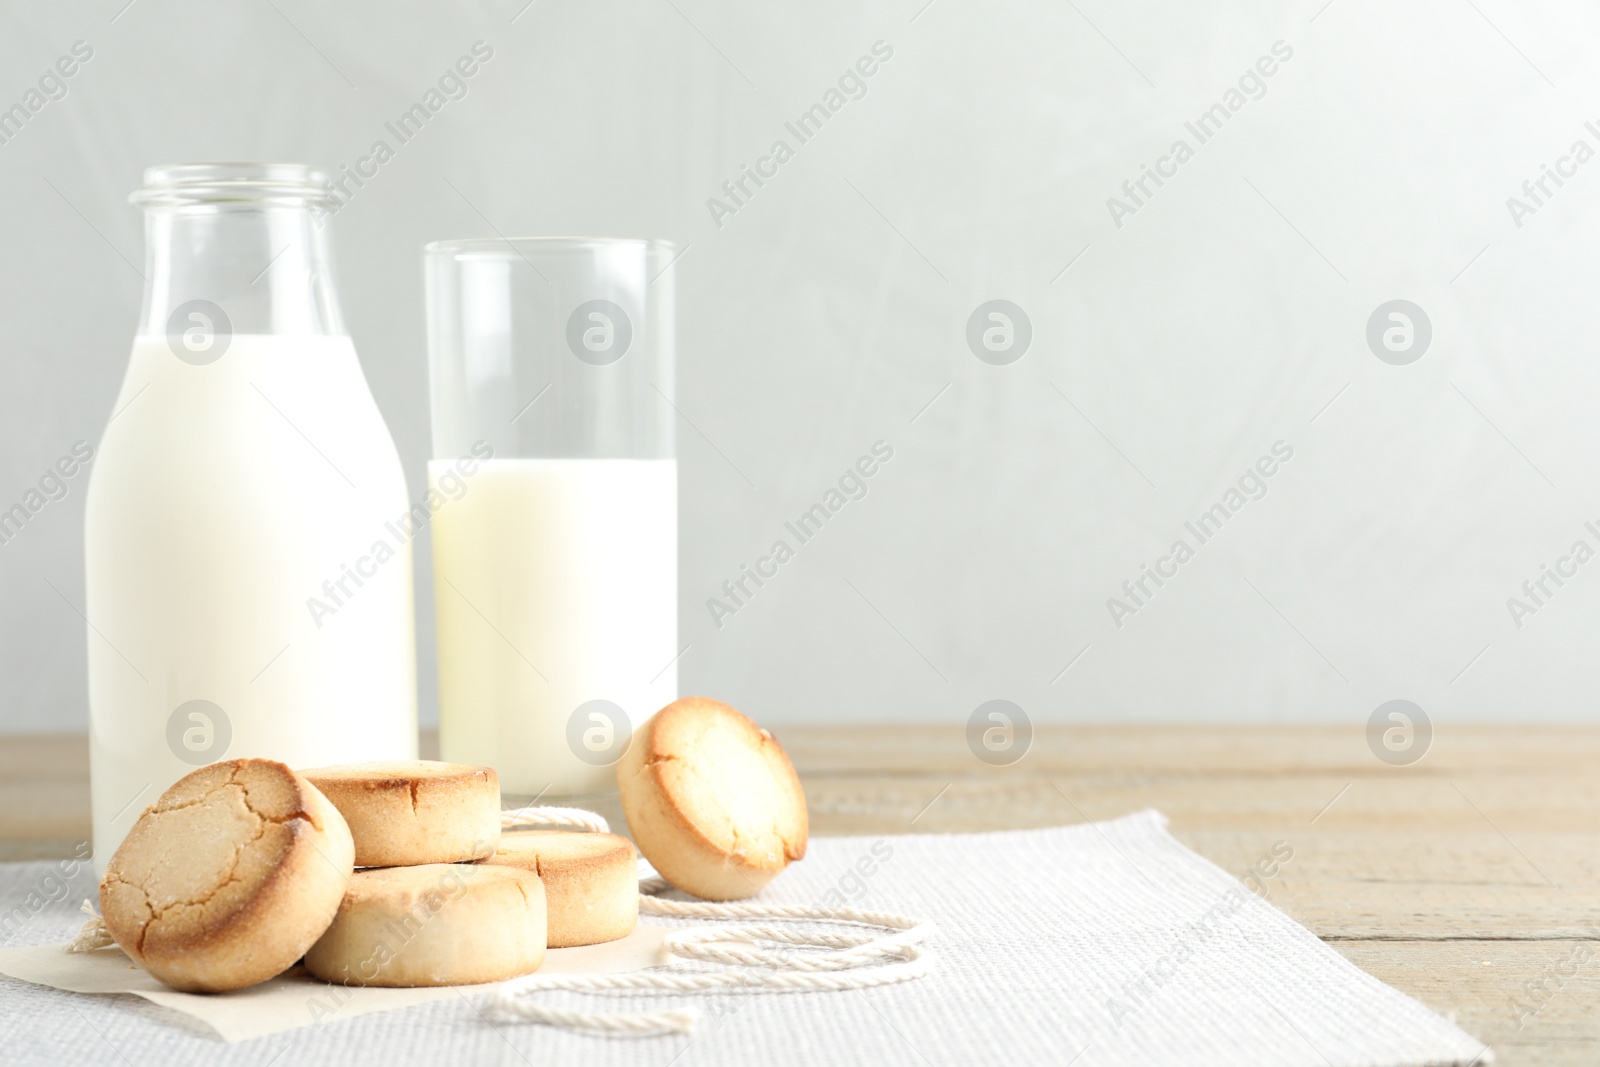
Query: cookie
[[712, 800], [591, 882], [432, 925], [229, 877], [415, 811]]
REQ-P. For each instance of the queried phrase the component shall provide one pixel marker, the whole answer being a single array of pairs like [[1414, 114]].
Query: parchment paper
[[295, 999]]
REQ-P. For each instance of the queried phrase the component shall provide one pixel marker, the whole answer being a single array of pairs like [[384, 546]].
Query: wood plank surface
[[1470, 880]]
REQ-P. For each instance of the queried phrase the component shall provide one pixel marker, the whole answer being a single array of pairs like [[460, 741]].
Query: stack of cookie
[[385, 874], [397, 874]]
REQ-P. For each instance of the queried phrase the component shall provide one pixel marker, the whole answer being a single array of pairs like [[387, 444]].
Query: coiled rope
[[850, 959], [559, 818]]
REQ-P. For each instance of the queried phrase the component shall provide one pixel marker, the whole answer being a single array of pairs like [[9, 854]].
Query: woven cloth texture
[[1101, 944]]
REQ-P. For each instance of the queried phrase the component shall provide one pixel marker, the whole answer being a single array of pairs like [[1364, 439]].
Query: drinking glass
[[553, 487]]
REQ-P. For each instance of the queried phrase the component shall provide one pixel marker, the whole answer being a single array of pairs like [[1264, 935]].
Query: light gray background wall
[[1227, 314]]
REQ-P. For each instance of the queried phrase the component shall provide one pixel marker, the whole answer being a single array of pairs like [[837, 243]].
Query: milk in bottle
[[248, 558]]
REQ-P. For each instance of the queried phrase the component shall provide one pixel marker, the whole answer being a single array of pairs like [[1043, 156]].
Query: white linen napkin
[[1097, 945]]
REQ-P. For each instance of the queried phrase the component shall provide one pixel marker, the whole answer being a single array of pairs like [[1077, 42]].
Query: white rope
[[852, 960], [94, 934], [561, 818]]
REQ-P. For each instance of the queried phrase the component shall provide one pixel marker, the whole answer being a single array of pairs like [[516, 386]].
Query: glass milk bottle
[[248, 532], [555, 544]]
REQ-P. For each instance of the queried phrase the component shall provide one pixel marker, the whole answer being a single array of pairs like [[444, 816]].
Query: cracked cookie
[[435, 924], [591, 882], [229, 877], [416, 811], [712, 800]]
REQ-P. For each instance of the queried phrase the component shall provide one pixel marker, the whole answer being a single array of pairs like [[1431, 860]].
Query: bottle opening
[[195, 183]]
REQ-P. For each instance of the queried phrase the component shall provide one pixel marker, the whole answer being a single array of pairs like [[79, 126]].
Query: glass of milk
[[247, 571], [553, 486]]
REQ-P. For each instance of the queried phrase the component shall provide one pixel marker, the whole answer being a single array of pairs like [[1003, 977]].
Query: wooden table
[[1470, 880]]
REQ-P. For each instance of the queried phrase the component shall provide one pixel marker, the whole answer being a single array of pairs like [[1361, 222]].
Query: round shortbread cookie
[[229, 877], [712, 800], [591, 882], [435, 924], [415, 811]]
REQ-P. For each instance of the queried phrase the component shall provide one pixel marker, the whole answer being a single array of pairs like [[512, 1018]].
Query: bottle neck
[[244, 266]]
